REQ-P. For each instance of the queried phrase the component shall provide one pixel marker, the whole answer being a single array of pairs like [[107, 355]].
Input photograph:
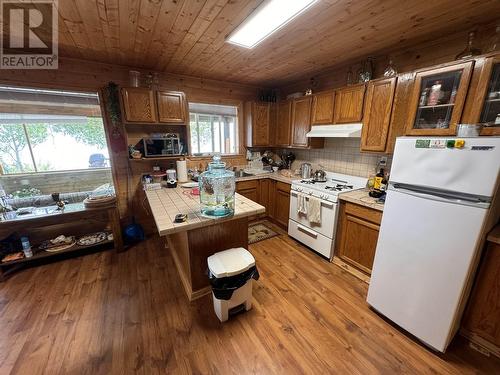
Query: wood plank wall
[[441, 49], [80, 75], [74, 74]]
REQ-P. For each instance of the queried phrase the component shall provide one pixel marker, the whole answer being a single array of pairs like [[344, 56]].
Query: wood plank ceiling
[[188, 36]]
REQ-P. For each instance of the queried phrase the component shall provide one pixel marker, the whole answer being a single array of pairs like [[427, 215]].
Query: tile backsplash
[[341, 155]]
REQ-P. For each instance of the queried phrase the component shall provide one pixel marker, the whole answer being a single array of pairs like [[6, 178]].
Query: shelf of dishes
[[59, 245]]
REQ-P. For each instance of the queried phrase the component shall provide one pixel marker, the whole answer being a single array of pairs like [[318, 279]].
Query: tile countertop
[[272, 175], [166, 203], [362, 198]]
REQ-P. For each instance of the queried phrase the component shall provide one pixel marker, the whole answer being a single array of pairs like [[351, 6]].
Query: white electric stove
[[320, 237]]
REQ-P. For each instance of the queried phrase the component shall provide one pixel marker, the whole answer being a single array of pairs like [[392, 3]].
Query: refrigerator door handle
[[440, 196]]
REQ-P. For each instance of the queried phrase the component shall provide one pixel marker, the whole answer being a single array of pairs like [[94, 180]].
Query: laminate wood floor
[[108, 313]]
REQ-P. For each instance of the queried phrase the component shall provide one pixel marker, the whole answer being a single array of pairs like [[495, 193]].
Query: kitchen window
[[51, 141], [213, 128], [42, 143]]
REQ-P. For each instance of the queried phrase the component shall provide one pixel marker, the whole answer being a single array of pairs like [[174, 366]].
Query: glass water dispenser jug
[[217, 187]]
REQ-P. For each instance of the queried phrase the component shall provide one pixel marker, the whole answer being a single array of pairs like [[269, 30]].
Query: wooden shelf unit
[[43, 227], [41, 254]]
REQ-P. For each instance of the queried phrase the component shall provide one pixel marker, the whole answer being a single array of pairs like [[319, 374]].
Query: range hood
[[336, 131]]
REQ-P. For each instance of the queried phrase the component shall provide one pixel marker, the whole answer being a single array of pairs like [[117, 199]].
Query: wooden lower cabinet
[[274, 195], [264, 193], [281, 203], [357, 235], [481, 322], [249, 189]]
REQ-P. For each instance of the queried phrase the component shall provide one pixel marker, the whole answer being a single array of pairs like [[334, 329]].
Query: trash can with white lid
[[231, 273]]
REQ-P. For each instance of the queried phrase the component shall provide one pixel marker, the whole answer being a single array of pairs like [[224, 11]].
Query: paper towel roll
[[182, 175]]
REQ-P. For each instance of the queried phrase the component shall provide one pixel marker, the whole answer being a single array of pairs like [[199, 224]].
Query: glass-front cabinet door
[[490, 111], [438, 100]]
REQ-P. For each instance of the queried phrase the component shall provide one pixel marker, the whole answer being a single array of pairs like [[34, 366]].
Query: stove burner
[[339, 187], [308, 182]]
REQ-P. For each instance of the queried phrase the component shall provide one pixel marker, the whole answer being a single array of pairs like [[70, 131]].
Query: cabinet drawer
[[363, 212], [311, 238], [283, 186], [243, 185]]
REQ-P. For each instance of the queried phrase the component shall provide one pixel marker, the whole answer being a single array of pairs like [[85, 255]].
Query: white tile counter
[[166, 203]]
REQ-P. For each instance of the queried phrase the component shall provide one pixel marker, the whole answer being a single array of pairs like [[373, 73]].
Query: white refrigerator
[[437, 201]]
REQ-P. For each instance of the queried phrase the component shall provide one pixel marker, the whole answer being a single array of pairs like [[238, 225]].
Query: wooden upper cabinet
[[483, 99], [172, 107], [258, 124], [283, 123], [438, 99], [349, 104], [377, 114], [322, 108], [139, 105], [301, 121]]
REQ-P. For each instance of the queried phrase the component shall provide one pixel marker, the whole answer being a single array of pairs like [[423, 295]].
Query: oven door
[[312, 239], [328, 216]]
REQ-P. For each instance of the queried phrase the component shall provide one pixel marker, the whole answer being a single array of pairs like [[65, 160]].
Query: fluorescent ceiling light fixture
[[269, 17]]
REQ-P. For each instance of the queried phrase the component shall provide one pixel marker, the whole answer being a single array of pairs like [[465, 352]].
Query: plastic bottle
[[26, 247], [377, 183]]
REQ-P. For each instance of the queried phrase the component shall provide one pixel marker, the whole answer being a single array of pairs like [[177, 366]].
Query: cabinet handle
[[307, 231]]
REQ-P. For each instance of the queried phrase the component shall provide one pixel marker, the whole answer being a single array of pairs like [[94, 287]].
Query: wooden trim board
[[353, 271]]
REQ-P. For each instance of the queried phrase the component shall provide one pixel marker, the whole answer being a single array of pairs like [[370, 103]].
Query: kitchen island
[[191, 242]]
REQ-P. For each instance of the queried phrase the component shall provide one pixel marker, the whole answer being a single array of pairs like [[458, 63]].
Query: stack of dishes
[[99, 201]]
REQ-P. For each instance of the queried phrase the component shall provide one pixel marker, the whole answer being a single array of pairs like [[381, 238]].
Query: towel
[[314, 210], [301, 204]]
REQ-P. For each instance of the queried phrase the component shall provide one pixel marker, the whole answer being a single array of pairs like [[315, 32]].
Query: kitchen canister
[[182, 175]]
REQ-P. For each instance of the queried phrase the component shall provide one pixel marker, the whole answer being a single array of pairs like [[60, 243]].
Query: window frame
[[33, 159], [239, 126], [221, 119]]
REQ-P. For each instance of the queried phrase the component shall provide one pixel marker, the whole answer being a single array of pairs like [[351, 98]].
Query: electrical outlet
[[382, 161]]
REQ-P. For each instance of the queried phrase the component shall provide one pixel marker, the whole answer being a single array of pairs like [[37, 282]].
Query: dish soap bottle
[[217, 186], [377, 183]]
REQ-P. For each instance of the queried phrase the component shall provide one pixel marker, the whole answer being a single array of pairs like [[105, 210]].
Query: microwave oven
[[167, 145]]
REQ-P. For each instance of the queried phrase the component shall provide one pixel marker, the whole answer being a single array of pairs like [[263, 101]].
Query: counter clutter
[[362, 198]]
